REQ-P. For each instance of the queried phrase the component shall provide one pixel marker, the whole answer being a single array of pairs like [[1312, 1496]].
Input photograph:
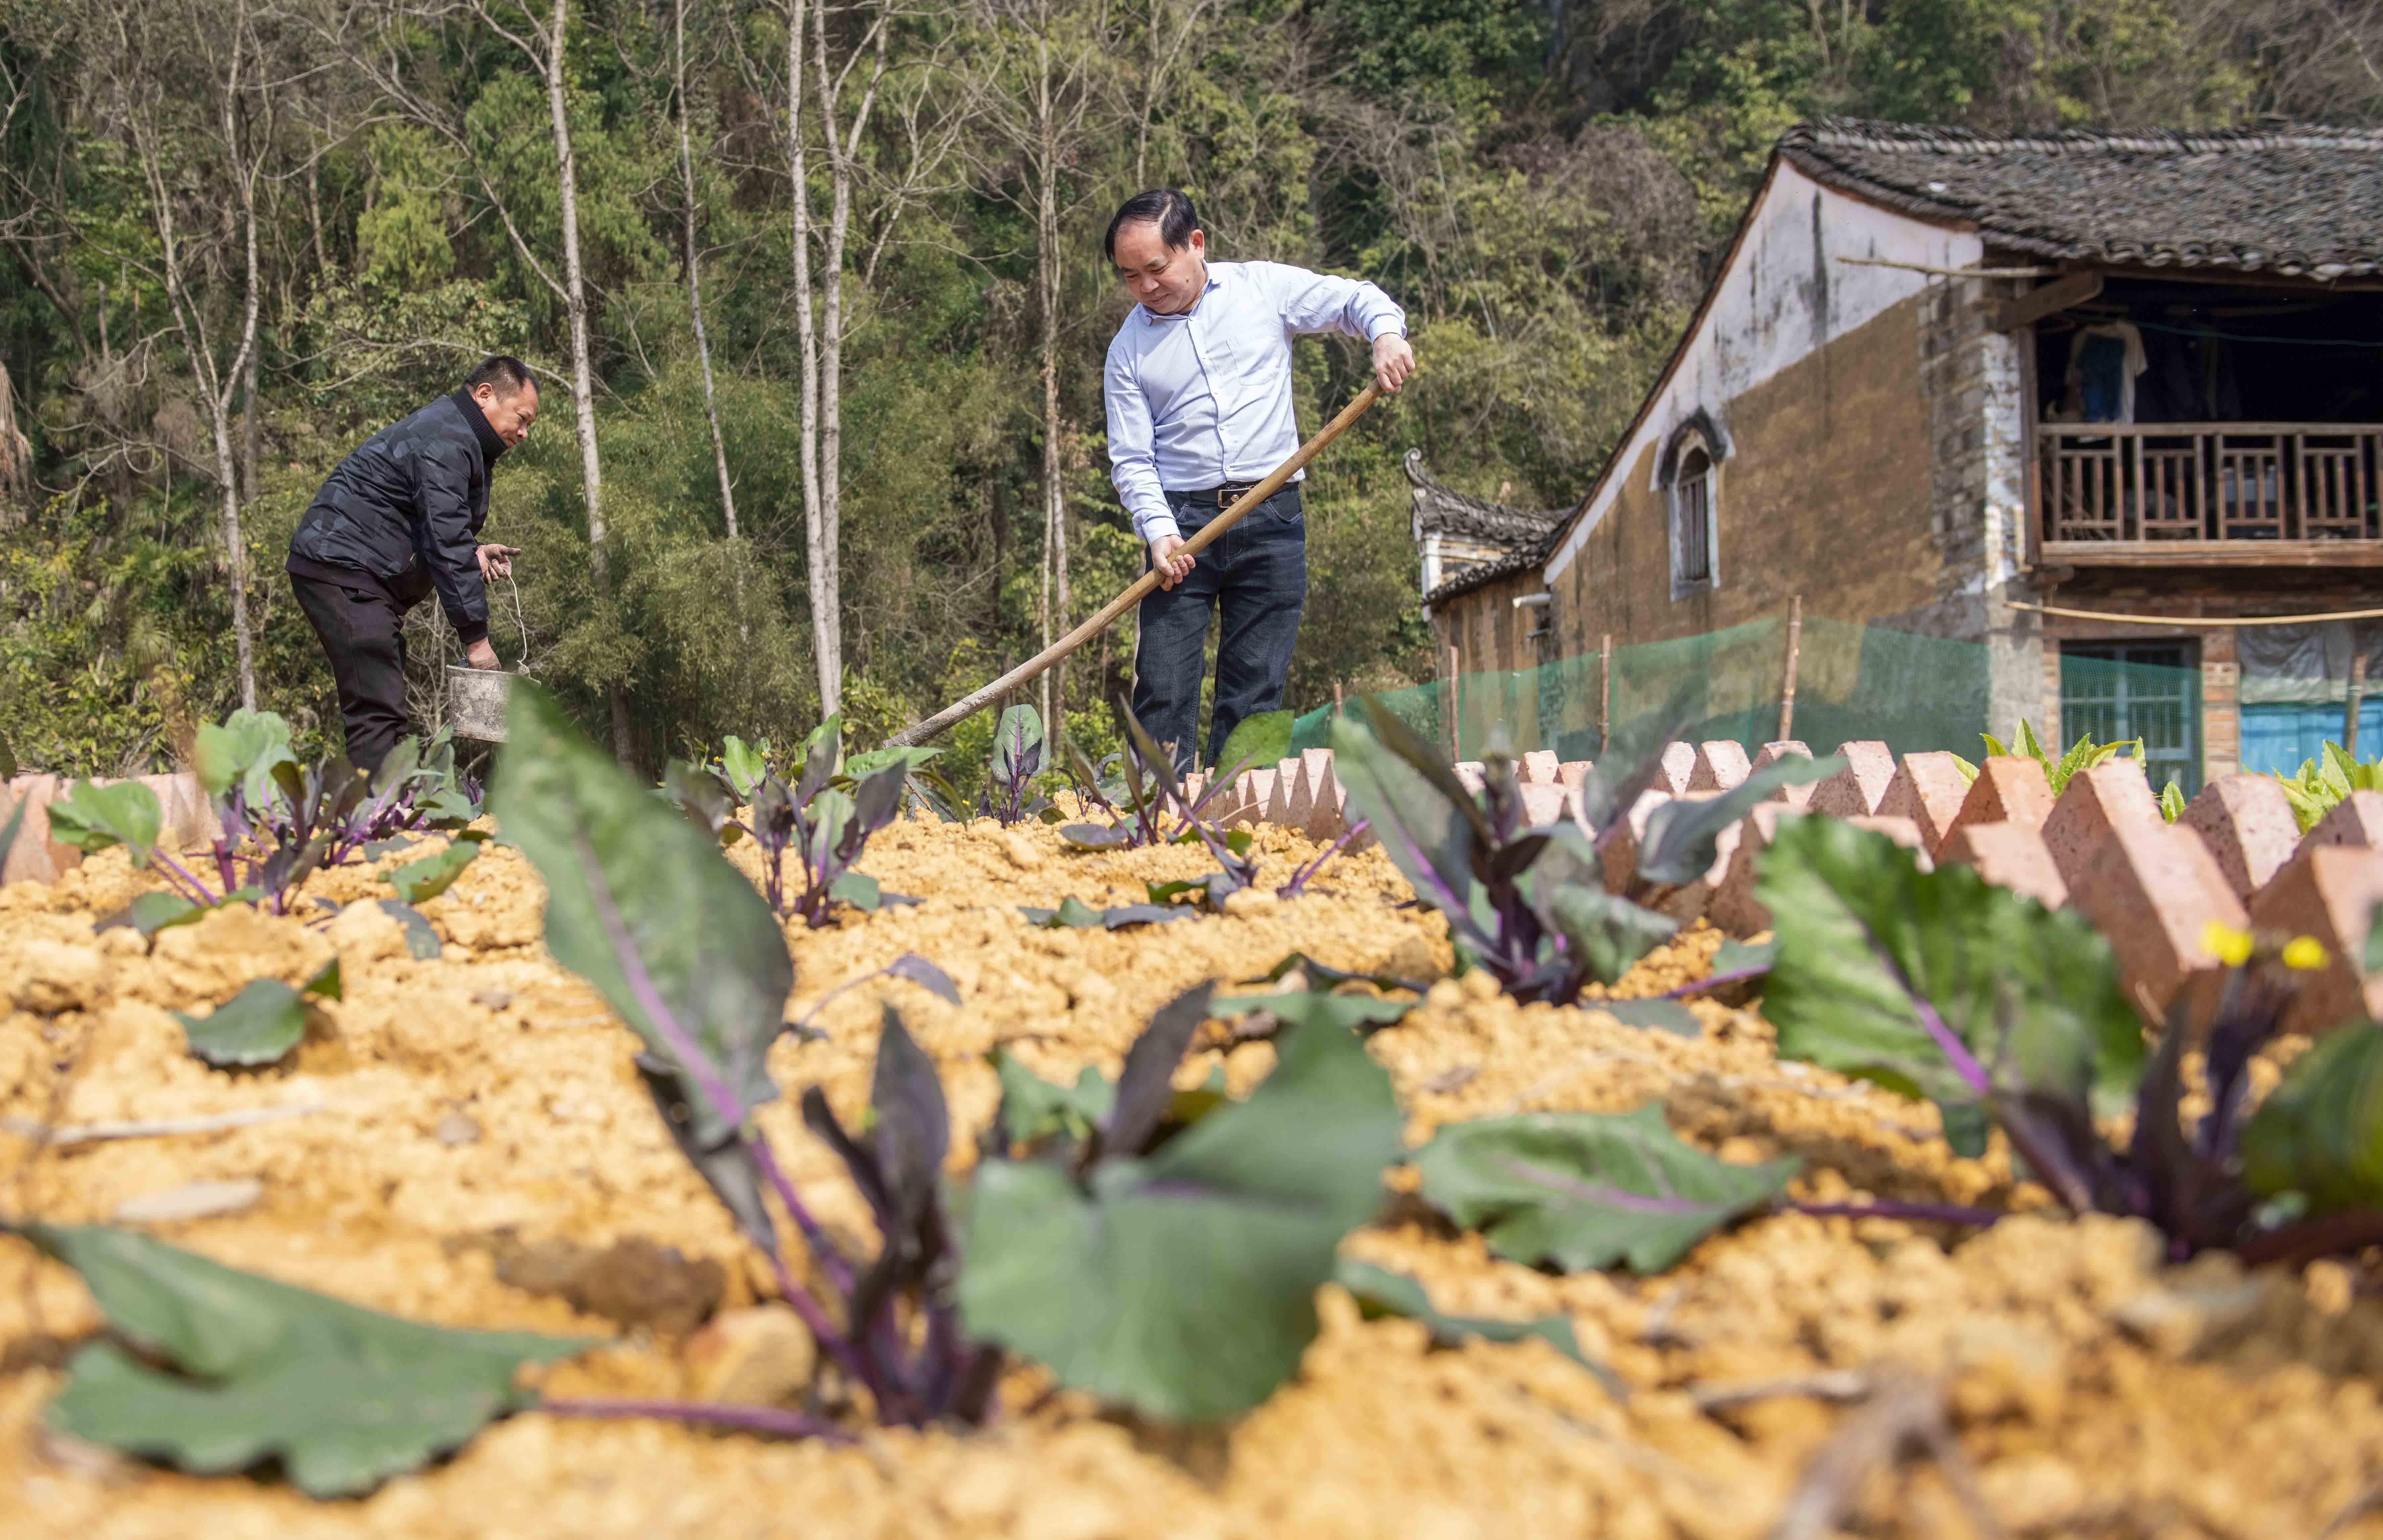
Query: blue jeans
[[1256, 576]]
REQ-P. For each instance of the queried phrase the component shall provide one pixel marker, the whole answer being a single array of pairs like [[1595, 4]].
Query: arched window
[[1690, 475]]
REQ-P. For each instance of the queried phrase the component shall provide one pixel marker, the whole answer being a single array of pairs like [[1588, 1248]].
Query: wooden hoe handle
[[1106, 615]]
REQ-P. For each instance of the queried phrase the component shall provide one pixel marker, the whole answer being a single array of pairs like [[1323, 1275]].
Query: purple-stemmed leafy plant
[[2009, 1017], [1529, 903]]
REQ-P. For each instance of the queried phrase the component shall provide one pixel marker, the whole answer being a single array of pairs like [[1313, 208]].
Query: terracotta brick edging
[[189, 821]]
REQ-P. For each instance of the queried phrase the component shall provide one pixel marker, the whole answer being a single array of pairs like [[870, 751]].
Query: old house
[[1945, 386]]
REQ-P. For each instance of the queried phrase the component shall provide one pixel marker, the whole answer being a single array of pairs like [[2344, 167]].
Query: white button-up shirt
[[1204, 399]]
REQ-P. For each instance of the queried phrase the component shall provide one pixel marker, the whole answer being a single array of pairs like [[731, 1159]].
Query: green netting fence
[[1853, 681]]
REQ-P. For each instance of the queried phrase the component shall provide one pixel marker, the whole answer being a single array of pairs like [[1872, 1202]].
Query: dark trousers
[[362, 628], [1255, 577]]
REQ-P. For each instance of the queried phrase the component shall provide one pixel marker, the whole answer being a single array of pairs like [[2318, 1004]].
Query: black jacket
[[406, 506]]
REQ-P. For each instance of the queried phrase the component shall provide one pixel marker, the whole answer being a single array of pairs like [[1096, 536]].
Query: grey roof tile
[[2291, 199]]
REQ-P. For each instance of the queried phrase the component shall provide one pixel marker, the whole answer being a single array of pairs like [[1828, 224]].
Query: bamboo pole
[[1335, 698], [1795, 648], [1604, 691], [1103, 618], [2357, 698], [1455, 731]]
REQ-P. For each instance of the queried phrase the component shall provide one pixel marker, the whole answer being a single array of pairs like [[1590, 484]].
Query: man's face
[[509, 413], [1166, 282]]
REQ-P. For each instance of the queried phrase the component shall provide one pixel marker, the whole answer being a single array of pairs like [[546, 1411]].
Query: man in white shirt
[[1198, 384]]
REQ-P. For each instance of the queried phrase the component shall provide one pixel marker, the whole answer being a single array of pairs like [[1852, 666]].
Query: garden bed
[[450, 1120]]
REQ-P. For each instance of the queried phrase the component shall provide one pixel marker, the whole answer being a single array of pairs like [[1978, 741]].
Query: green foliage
[[2325, 781], [641, 905], [260, 1023], [1587, 1190], [1883, 966], [2084, 754], [1256, 743], [419, 882], [92, 817], [1378, 1292], [243, 750], [1182, 1282], [243, 1369], [2319, 1133]]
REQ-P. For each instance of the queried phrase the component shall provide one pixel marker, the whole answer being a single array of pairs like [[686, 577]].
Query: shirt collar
[[490, 445]]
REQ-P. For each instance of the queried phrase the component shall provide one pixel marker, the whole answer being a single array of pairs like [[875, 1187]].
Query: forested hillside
[[815, 293]]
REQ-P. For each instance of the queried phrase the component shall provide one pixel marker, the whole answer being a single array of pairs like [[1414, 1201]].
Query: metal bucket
[[476, 702]]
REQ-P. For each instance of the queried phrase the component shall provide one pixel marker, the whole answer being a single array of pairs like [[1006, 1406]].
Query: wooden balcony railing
[[2267, 494]]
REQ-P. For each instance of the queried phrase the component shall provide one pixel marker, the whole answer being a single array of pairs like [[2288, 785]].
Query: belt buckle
[[1231, 492]]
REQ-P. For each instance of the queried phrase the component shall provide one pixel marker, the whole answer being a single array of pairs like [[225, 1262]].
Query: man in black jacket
[[399, 518]]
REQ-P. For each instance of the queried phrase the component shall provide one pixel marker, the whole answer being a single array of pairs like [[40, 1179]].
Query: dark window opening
[[2121, 691], [1692, 512]]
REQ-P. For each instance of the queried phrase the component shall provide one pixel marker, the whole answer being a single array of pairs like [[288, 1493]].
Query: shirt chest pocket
[[1246, 347]]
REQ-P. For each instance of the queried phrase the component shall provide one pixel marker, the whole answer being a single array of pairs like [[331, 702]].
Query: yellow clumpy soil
[[489, 1097]]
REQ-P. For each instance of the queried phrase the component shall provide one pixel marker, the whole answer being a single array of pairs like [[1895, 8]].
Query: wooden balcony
[[2215, 494]]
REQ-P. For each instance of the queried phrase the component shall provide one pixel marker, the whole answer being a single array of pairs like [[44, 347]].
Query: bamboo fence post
[[1604, 690], [1795, 649], [1455, 741], [2357, 698], [1337, 706]]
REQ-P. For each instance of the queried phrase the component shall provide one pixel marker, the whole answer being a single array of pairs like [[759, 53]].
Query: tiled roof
[[1441, 510], [2291, 199], [1486, 573]]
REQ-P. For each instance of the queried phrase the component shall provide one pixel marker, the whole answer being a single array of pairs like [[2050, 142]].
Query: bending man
[[399, 518], [1198, 387]]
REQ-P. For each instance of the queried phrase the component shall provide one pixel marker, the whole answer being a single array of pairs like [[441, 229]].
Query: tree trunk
[[823, 597], [574, 304], [248, 420], [695, 279], [1046, 277]]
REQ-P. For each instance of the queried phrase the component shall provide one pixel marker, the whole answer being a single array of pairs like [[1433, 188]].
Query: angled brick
[[2355, 820], [1468, 772], [2327, 892], [35, 858], [2247, 823], [1720, 764], [1929, 790], [1571, 773], [1324, 794], [2009, 856], [1538, 767], [2008, 789], [2095, 801], [1252, 790], [1733, 907], [1545, 803], [1679, 767], [1854, 792], [1770, 754], [2152, 891]]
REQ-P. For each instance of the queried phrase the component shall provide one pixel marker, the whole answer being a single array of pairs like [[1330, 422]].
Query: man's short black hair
[[505, 372], [1163, 206]]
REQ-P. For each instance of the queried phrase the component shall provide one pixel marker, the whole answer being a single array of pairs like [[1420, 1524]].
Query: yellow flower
[[2304, 953], [2227, 944]]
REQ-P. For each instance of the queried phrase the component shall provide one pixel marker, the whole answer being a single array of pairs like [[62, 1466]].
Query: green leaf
[[1587, 1189], [857, 889], [1660, 1015], [1683, 834], [2374, 960], [1257, 742], [1737, 957], [1608, 933], [1379, 1292], [1184, 1283], [153, 912], [1349, 1013], [421, 942], [92, 817], [1072, 912], [245, 749], [642, 905], [861, 766], [449, 809], [1426, 832], [1032, 1107], [346, 1397], [746, 766], [419, 882], [2171, 802], [2320, 1131], [1870, 944], [326, 983], [259, 1025], [1017, 746]]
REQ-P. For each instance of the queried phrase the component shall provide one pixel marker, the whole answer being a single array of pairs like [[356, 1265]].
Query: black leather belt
[[1228, 494]]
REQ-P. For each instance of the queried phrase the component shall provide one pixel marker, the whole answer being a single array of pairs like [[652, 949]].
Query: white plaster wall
[[1783, 296]]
